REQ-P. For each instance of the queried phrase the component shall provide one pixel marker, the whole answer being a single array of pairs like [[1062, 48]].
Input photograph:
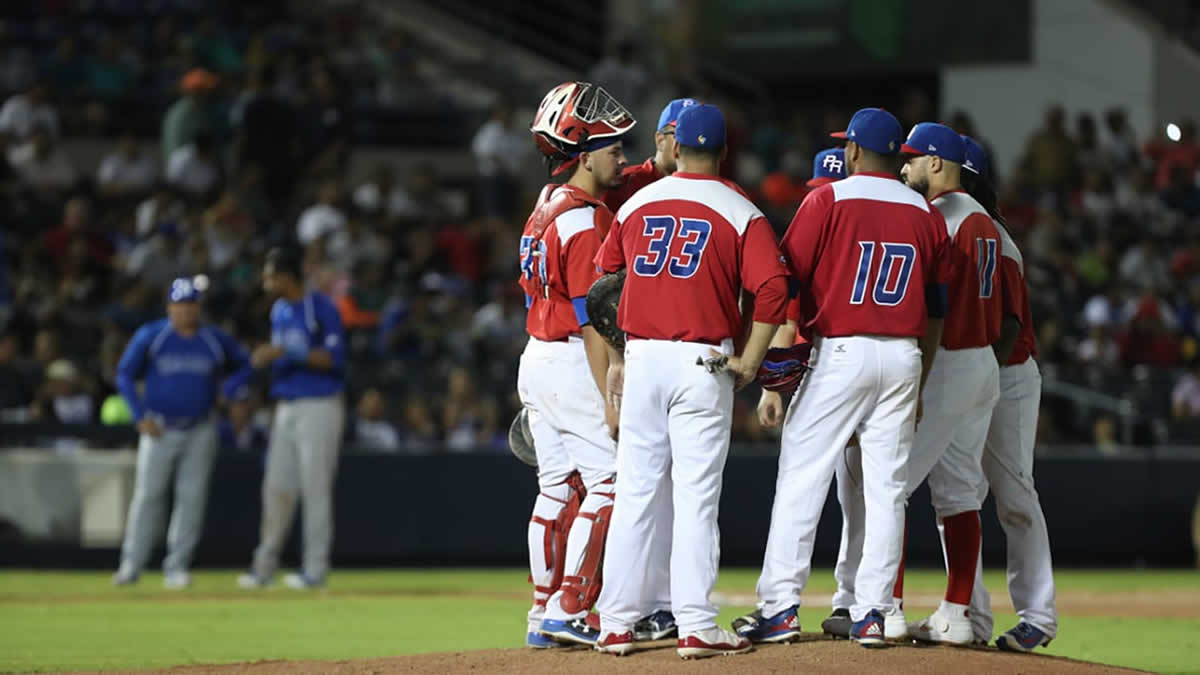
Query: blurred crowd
[[253, 128]]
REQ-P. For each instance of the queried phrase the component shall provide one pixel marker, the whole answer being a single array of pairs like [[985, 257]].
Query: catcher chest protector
[[548, 209]]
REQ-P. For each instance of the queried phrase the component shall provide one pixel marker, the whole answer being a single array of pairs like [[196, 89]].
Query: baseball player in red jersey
[[868, 253], [690, 243], [561, 377], [638, 176], [1008, 453]]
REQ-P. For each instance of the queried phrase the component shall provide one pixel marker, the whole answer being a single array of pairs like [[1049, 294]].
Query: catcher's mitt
[[784, 367], [520, 439], [602, 300]]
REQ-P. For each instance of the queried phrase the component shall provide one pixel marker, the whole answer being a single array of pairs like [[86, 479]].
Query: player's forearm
[[929, 346], [597, 356], [128, 388], [1010, 328], [785, 336], [320, 359], [758, 343]]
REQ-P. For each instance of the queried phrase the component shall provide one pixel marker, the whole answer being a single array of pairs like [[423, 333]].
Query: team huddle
[[894, 314]]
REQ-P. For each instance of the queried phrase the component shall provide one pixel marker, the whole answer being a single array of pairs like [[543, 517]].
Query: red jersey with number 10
[[558, 246], [864, 249], [976, 298], [1016, 298], [691, 243]]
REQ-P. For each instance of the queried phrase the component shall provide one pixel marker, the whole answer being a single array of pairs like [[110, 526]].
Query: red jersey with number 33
[[691, 243], [558, 247], [864, 249], [976, 298]]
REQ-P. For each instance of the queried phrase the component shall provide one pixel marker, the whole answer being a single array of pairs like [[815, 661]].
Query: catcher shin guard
[[553, 512], [585, 550]]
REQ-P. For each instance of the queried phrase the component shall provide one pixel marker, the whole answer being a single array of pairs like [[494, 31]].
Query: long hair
[[984, 192]]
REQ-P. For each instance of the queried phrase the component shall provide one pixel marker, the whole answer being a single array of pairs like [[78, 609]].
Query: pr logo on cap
[[832, 163]]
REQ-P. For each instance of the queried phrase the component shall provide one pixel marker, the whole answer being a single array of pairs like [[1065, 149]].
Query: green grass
[[59, 621]]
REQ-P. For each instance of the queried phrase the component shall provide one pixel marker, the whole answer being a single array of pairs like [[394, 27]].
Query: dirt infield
[[816, 654]]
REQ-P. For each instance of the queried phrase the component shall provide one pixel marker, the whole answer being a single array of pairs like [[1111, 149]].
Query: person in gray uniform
[[307, 357], [181, 362]]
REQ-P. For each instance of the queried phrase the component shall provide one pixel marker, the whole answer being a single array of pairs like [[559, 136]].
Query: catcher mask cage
[[577, 117]]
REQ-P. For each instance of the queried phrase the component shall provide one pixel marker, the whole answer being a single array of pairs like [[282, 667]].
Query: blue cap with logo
[[977, 159], [670, 114], [187, 289], [874, 129], [937, 140], [828, 166], [700, 126]]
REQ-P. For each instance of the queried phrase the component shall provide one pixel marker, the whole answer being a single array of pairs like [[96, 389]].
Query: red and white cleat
[[713, 641], [617, 644]]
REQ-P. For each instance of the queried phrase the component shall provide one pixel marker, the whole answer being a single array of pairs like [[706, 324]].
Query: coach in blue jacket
[[307, 357], [181, 363]]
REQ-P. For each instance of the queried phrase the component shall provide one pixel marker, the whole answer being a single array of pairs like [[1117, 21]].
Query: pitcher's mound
[[815, 654]]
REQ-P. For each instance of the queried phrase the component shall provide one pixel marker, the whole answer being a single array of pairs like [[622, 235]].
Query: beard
[[921, 185]]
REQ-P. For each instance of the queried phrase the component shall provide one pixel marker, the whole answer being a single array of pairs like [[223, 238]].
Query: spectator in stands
[[1144, 265], [265, 135], [622, 74], [1091, 156], [372, 431], [190, 116], [463, 413], [1120, 142], [323, 218], [42, 166], [1096, 199], [112, 70], [325, 125], [1095, 265], [227, 230], [194, 169], [17, 66], [237, 431], [1185, 397], [1137, 197], [23, 113], [67, 69], [1051, 159], [783, 190], [160, 258], [383, 195], [77, 223], [65, 396], [128, 171], [16, 379], [418, 429], [1148, 340], [1168, 155], [1099, 349], [1104, 435], [500, 149], [1182, 196]]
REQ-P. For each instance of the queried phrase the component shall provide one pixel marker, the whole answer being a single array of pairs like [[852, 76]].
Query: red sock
[[898, 589], [962, 552]]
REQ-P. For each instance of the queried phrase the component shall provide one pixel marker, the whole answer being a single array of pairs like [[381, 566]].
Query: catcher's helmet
[[577, 117]]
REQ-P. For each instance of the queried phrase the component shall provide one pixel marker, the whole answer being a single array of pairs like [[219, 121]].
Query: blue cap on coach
[[670, 114], [977, 159], [938, 140], [183, 289], [828, 166], [700, 126], [874, 129]]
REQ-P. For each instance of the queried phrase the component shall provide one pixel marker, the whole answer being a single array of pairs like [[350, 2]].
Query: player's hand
[[265, 355], [149, 427], [743, 372], [770, 409], [612, 419], [920, 410], [614, 383]]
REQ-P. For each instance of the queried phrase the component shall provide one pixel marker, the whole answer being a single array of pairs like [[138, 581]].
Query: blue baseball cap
[[874, 129], [937, 140], [700, 126], [828, 166], [977, 159], [187, 289], [670, 114]]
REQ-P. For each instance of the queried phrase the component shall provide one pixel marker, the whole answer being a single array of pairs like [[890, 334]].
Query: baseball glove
[[602, 300], [520, 439], [784, 367]]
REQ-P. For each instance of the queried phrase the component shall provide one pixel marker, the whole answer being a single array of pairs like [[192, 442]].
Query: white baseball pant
[[857, 384], [1008, 470], [566, 417], [675, 425]]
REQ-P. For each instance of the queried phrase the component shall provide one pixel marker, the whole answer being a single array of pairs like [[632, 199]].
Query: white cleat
[[894, 626], [125, 576], [948, 625], [715, 641], [252, 582], [176, 581]]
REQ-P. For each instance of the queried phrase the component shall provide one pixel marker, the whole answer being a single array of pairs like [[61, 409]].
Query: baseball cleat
[[177, 581], [252, 581], [125, 576], [302, 582], [573, 631], [658, 626], [838, 624], [869, 631], [947, 625], [783, 627], [617, 644], [713, 641], [539, 641], [1024, 637], [894, 625]]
